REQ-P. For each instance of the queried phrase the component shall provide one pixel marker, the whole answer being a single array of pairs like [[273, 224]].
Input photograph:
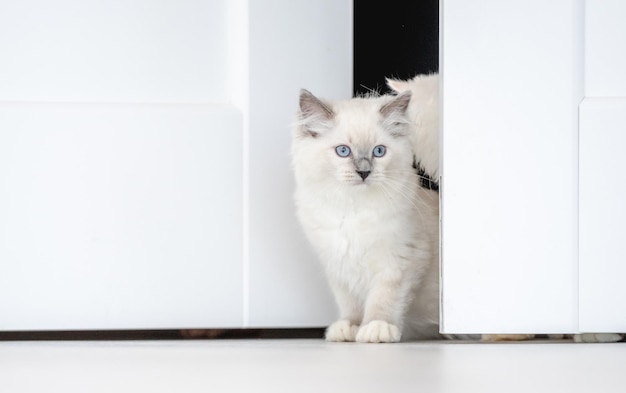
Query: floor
[[309, 365]]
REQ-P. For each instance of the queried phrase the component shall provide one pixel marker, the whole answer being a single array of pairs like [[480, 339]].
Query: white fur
[[424, 113], [376, 238]]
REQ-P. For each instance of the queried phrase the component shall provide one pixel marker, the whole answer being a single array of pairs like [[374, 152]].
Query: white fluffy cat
[[374, 228]]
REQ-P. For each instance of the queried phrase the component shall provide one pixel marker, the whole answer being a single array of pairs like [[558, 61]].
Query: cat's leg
[[384, 309], [350, 311]]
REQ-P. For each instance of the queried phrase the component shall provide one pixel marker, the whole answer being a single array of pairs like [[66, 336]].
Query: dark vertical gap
[[395, 38]]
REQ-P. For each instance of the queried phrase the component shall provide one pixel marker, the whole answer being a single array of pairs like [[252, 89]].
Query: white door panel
[[602, 186], [113, 51], [120, 216], [509, 217], [533, 185], [602, 215], [605, 40]]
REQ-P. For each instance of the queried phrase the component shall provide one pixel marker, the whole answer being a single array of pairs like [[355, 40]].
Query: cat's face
[[363, 142]]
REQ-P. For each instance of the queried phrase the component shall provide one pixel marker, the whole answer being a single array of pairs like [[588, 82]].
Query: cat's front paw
[[378, 332], [341, 330]]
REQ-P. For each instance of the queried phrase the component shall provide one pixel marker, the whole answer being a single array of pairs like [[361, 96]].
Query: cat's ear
[[397, 85], [315, 115], [395, 119], [398, 105]]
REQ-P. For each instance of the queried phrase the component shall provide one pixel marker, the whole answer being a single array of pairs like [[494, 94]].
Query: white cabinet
[[602, 214], [116, 216], [144, 161], [604, 40], [114, 51], [602, 165], [532, 207], [145, 180]]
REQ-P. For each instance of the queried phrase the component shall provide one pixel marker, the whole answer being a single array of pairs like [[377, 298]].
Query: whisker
[[405, 192], [372, 92], [403, 171], [398, 182]]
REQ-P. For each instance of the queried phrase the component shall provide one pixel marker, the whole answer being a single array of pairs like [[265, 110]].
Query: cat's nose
[[364, 174]]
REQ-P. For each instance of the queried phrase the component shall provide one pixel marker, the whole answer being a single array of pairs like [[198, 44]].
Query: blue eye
[[342, 150], [379, 151]]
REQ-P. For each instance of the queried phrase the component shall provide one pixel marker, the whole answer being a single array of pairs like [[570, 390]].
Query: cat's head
[[359, 142]]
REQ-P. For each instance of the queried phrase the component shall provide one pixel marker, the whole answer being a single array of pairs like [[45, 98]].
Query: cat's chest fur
[[352, 227], [355, 232]]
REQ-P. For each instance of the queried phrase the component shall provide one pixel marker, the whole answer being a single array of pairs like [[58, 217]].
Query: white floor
[[310, 366]]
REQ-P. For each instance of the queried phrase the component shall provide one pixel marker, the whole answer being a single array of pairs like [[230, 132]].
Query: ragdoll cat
[[423, 112], [374, 228]]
